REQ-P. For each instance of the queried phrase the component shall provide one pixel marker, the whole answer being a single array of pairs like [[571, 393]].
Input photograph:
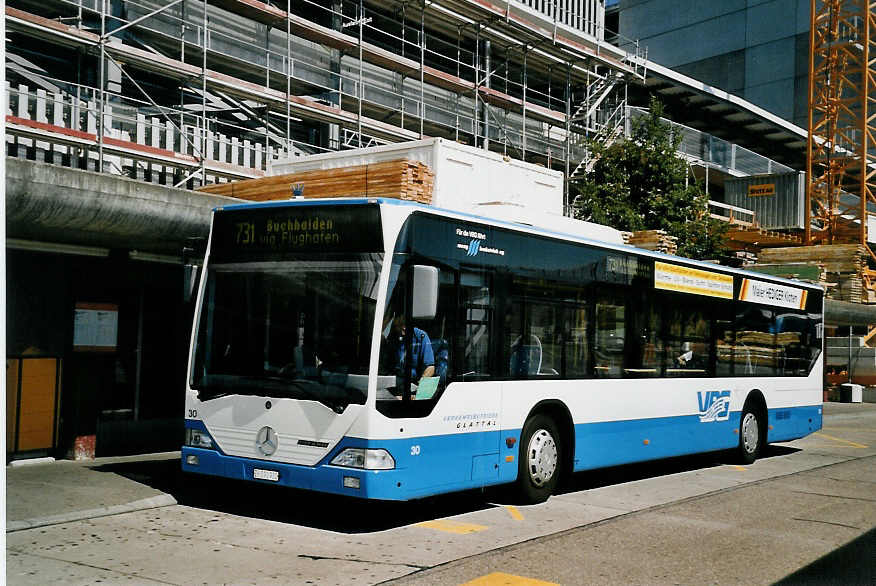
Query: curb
[[162, 500], [30, 462]]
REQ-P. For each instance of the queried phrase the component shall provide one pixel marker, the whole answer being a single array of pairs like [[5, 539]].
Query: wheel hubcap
[[542, 457], [750, 433]]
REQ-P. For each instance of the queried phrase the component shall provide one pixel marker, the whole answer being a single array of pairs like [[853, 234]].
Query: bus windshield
[[297, 328]]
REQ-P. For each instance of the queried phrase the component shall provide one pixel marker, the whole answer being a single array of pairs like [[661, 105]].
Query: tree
[[640, 183]]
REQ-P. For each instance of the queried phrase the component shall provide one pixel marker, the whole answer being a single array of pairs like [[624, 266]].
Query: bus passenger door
[[479, 391]]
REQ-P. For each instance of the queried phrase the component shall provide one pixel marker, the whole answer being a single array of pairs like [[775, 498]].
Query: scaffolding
[[841, 155], [187, 92]]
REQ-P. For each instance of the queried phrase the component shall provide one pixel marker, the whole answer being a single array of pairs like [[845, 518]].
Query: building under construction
[[201, 92]]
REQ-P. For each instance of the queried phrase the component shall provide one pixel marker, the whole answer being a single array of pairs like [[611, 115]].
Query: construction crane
[[841, 154]]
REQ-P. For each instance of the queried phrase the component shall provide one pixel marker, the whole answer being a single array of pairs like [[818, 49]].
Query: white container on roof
[[473, 181]]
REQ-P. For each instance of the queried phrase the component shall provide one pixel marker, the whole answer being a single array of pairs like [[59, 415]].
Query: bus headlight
[[364, 458], [197, 438]]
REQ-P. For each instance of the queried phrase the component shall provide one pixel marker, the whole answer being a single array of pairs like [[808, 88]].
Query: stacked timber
[[811, 272], [842, 266], [745, 257], [399, 179], [753, 348], [758, 238], [657, 240]]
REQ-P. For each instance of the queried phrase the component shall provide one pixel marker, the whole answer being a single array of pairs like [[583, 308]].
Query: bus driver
[[422, 365]]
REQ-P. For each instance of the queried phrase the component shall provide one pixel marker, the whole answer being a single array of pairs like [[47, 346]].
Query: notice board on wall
[[95, 327]]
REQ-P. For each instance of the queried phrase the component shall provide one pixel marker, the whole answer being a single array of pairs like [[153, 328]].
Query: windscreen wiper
[[215, 386], [308, 388]]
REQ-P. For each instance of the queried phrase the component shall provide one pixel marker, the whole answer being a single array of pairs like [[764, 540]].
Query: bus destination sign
[[272, 231]]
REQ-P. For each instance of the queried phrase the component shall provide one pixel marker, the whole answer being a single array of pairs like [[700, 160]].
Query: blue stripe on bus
[[622, 442], [792, 423], [438, 464]]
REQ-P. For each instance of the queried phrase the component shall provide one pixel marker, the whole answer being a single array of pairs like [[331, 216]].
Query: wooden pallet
[[757, 239], [836, 258], [399, 179], [842, 267], [657, 240]]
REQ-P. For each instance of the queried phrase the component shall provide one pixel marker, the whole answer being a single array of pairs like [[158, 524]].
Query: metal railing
[[733, 215], [706, 149]]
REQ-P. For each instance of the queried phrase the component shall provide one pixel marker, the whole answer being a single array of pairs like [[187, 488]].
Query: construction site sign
[[762, 190], [689, 280]]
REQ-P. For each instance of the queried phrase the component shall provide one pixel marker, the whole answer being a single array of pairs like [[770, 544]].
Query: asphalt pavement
[[804, 514]]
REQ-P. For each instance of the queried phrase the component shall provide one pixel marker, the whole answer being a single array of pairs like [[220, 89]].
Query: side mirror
[[192, 256], [425, 303], [191, 275]]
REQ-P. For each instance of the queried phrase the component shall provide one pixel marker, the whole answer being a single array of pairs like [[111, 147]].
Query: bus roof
[[515, 226]]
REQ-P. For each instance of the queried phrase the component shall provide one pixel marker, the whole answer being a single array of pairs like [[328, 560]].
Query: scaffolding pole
[[100, 114], [288, 77], [568, 143], [204, 98], [422, 66]]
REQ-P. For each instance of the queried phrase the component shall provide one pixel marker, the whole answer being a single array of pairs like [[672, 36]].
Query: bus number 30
[[415, 450]]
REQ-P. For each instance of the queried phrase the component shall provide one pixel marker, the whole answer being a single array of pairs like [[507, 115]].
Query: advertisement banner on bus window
[[689, 280], [756, 291]]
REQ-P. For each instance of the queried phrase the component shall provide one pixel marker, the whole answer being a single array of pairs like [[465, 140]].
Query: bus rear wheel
[[751, 436], [539, 461]]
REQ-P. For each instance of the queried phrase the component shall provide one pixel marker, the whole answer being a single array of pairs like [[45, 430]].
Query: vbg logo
[[714, 406], [473, 247]]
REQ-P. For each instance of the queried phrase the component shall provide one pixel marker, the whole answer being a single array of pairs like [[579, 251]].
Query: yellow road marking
[[452, 526], [865, 429], [740, 468], [502, 579], [515, 514], [842, 441]]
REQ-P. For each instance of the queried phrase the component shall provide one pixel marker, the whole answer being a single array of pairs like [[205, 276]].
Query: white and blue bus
[[547, 353]]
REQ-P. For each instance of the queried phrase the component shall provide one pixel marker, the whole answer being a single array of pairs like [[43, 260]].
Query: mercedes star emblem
[[266, 440]]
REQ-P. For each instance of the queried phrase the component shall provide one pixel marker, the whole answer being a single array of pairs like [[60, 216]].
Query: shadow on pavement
[[598, 478], [351, 515], [289, 505], [853, 563]]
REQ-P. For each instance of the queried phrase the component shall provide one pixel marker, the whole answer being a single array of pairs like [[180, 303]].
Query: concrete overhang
[[53, 204], [720, 113]]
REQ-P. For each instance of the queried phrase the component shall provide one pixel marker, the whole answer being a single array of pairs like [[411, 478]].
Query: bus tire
[[751, 434], [540, 459]]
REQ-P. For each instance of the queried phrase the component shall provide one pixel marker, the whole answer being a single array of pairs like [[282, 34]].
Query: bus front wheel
[[751, 435], [539, 461]]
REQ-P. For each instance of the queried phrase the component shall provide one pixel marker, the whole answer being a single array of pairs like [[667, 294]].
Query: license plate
[[260, 474]]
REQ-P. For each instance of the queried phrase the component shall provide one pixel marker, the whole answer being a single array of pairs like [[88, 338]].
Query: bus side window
[[688, 338], [442, 328], [610, 335], [725, 339], [791, 343], [643, 340], [477, 319], [755, 342], [576, 350]]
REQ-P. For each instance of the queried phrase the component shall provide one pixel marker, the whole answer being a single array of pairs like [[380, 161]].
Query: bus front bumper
[[374, 484]]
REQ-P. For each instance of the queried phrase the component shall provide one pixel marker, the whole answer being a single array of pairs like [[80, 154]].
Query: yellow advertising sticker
[[689, 280]]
